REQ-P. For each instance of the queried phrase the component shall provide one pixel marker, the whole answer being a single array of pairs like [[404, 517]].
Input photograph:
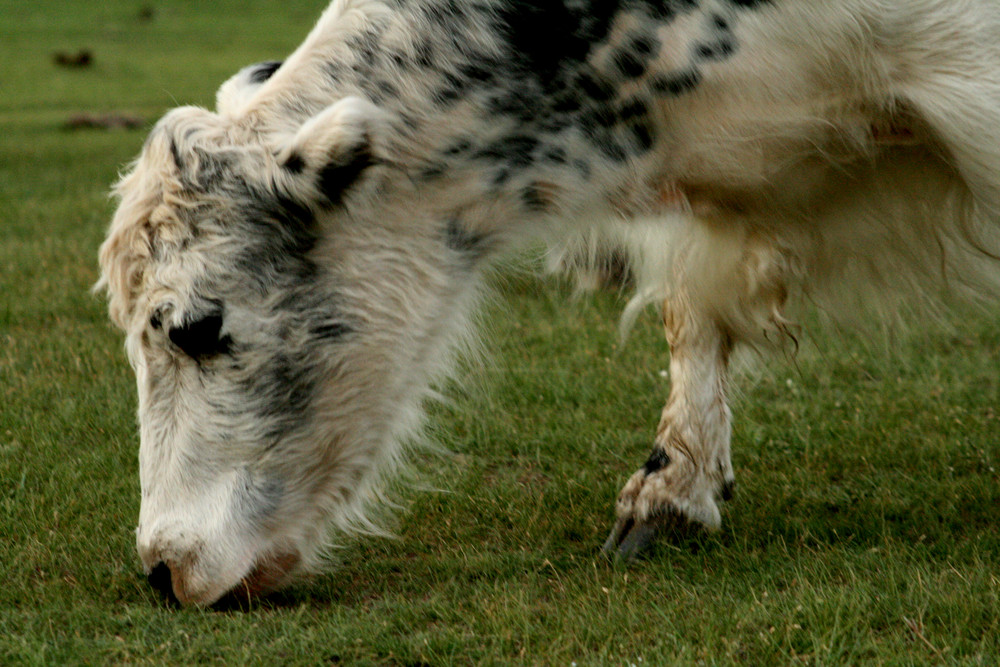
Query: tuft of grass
[[864, 529]]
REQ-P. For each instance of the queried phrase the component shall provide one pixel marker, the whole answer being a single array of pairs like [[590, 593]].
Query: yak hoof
[[630, 538], [665, 500]]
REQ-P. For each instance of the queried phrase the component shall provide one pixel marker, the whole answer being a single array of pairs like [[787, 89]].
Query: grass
[[864, 530]]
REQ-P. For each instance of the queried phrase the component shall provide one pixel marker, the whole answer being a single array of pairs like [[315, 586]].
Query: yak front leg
[[689, 467]]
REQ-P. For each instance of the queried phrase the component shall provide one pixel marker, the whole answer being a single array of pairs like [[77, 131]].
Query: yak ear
[[236, 93], [332, 149]]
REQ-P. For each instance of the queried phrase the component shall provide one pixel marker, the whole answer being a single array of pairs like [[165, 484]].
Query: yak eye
[[202, 337]]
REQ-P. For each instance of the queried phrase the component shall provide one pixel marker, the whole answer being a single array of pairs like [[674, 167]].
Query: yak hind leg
[[689, 469]]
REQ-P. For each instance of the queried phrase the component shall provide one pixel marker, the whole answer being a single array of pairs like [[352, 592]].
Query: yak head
[[288, 297]]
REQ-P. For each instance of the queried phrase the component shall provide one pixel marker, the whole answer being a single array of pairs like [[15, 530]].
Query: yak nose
[[161, 579]]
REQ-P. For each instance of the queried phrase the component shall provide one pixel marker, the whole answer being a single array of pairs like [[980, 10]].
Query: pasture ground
[[865, 530]]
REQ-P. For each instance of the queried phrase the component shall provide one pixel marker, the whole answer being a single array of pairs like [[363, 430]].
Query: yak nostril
[[160, 579]]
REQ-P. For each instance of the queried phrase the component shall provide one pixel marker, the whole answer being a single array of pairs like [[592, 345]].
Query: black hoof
[[629, 538]]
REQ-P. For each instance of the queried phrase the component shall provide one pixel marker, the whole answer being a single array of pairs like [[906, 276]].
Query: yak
[[295, 270]]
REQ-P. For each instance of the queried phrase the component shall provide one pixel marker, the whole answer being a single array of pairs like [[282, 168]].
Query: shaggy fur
[[294, 270]]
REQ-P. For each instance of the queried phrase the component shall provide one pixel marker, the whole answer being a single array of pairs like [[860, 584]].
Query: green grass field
[[865, 530]]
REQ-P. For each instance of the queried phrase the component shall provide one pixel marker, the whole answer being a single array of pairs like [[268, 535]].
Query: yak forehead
[[195, 206], [217, 237]]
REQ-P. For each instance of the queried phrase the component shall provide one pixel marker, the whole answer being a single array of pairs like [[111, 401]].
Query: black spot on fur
[[296, 222], [515, 150], [665, 10], [501, 177], [331, 331], [727, 491], [646, 46], [634, 107], [634, 114], [478, 71], [555, 123], [593, 87], [567, 103], [432, 171], [409, 124], [543, 36], [657, 460], [513, 103], [551, 41], [442, 13], [459, 147], [424, 53], [175, 153], [533, 199], [280, 233], [466, 78], [264, 71], [642, 135], [463, 241], [677, 83], [716, 51], [633, 58], [282, 391], [364, 48], [334, 71], [613, 150], [295, 164], [399, 60], [387, 88], [598, 117], [556, 154], [630, 63], [214, 170], [339, 174]]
